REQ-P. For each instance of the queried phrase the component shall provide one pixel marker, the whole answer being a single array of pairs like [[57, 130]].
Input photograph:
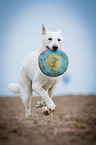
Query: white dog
[[32, 79]]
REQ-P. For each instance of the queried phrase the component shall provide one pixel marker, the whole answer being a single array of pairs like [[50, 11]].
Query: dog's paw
[[50, 104], [40, 104], [45, 110]]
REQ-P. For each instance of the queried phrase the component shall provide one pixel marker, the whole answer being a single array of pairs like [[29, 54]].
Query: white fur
[[32, 79]]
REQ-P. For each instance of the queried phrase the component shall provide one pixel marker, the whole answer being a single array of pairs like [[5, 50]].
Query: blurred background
[[20, 34]]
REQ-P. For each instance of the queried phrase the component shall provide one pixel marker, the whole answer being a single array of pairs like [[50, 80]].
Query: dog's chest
[[47, 82]]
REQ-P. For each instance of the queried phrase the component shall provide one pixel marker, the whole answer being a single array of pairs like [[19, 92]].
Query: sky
[[20, 34]]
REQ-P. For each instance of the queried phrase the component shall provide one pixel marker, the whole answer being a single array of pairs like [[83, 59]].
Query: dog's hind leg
[[25, 92]]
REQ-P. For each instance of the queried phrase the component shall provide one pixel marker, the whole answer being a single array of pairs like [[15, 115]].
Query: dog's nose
[[55, 47]]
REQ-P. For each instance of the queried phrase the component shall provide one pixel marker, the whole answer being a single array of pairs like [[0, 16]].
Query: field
[[72, 123]]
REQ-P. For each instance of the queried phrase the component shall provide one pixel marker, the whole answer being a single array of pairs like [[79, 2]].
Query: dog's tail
[[14, 88]]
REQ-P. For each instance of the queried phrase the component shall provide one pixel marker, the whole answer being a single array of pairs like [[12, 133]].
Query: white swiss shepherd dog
[[32, 79]]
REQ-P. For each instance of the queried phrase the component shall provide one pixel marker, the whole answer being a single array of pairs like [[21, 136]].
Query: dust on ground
[[72, 123]]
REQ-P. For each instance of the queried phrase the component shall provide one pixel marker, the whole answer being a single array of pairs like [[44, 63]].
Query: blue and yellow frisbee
[[53, 63]]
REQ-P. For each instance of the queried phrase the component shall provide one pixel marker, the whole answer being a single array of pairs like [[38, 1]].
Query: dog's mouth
[[48, 47], [53, 48]]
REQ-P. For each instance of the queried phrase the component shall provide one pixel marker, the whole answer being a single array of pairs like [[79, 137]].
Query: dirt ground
[[72, 123]]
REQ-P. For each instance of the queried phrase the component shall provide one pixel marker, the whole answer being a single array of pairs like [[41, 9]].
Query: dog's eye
[[59, 39], [50, 38]]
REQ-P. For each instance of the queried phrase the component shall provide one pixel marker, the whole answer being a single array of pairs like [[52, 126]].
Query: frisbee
[[53, 63]]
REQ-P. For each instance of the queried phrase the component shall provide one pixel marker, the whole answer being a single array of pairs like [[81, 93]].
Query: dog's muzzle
[[55, 47], [48, 47]]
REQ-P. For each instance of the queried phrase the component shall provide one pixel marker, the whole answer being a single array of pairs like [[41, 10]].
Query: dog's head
[[51, 40]]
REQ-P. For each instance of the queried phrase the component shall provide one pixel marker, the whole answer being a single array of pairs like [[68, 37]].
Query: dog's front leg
[[45, 110], [38, 89], [51, 90]]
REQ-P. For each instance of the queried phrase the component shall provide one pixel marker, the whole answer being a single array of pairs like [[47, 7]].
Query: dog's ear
[[59, 31], [44, 29]]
